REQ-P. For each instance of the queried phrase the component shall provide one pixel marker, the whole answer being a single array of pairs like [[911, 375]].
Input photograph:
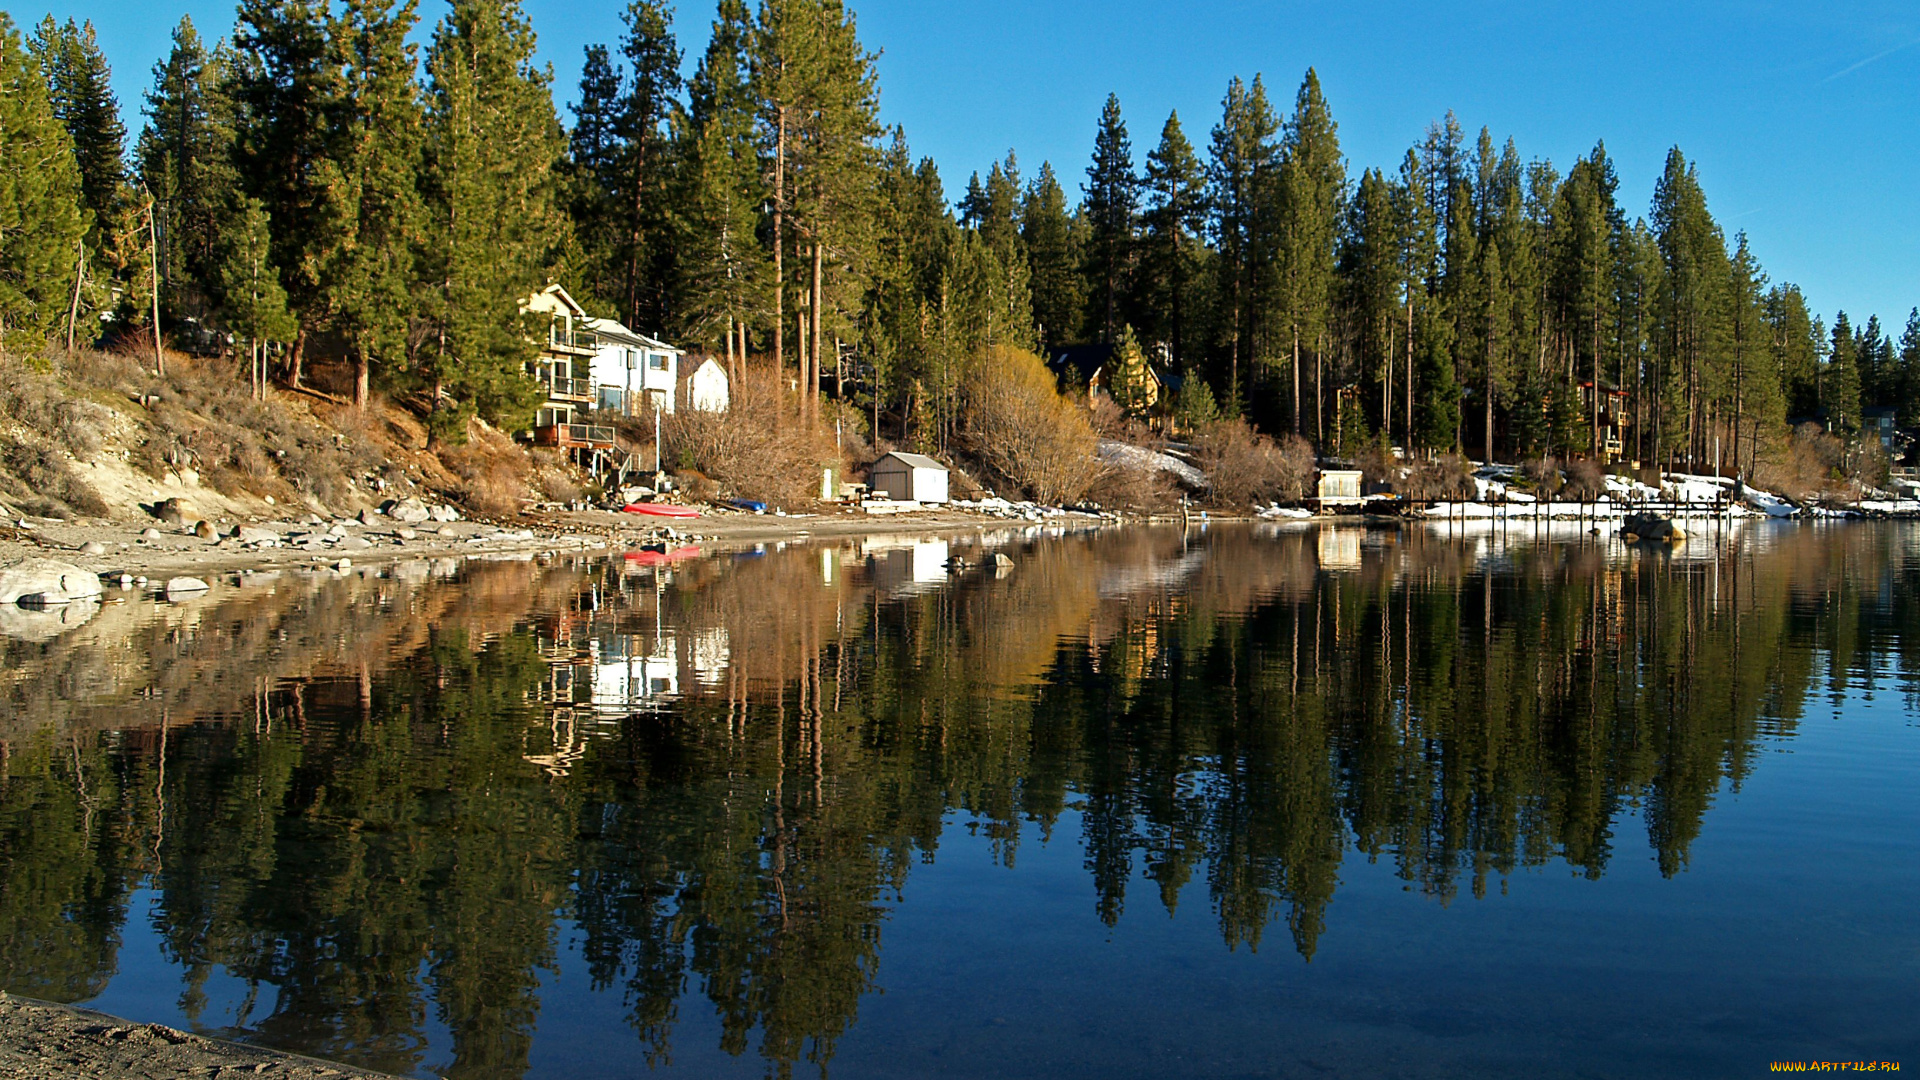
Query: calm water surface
[[1251, 802]]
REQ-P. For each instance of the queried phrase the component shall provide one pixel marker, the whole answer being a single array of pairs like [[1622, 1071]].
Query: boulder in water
[[50, 580]]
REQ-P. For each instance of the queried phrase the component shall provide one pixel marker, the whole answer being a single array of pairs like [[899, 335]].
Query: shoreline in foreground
[[40, 1039]]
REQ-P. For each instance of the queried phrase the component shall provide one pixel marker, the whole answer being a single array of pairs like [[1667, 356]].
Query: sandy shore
[[38, 1040]]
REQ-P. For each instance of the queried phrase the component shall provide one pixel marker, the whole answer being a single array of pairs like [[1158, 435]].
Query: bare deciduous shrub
[[553, 477], [40, 479], [1586, 480], [1442, 479], [1022, 431], [1246, 467], [760, 448], [1133, 489], [1543, 474]]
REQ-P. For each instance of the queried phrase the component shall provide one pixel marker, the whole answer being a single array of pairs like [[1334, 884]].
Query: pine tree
[[184, 157], [724, 272], [1242, 167], [81, 94], [494, 227], [371, 186], [256, 305], [642, 236], [1112, 199], [286, 90], [1171, 247], [1840, 382], [1051, 236], [1128, 381], [1909, 385], [42, 221], [820, 120], [591, 172], [1312, 187], [1757, 401], [1370, 271]]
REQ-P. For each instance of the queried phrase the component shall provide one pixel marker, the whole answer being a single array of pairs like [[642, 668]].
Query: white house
[[707, 388], [909, 478], [631, 372]]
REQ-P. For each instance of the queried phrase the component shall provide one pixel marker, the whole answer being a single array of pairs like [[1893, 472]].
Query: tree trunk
[[298, 356], [362, 377], [813, 346], [779, 245], [153, 256], [79, 278]]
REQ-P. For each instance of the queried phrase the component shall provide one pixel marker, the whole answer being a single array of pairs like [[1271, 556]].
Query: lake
[[1250, 801]]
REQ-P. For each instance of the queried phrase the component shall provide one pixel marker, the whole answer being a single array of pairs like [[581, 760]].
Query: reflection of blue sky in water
[[592, 742]]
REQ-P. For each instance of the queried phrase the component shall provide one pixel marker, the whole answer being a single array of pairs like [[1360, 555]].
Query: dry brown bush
[[1021, 431], [1246, 467], [1543, 474], [493, 471], [760, 448], [1133, 489], [1586, 480], [1810, 463], [1443, 479]]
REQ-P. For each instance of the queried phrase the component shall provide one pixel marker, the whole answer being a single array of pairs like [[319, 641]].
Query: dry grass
[[1246, 467], [494, 472], [761, 448]]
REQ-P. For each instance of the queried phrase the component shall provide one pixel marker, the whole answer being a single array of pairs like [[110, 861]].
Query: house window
[[612, 399], [656, 361]]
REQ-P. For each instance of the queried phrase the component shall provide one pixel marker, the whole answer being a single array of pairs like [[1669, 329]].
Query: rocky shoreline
[[39, 1039]]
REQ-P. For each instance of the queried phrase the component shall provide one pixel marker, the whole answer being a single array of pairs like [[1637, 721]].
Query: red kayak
[[660, 510]]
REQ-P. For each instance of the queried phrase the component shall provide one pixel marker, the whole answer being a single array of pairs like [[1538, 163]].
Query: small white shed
[[909, 478], [707, 389]]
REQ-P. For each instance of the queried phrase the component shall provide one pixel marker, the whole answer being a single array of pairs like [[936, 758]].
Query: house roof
[[560, 293], [913, 461]]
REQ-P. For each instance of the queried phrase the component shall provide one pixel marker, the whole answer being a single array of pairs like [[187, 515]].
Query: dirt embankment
[[38, 1040]]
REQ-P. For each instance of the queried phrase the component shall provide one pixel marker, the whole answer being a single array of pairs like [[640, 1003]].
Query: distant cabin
[[707, 389], [909, 478], [1337, 487]]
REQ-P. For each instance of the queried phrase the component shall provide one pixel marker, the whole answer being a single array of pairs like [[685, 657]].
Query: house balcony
[[572, 342], [578, 390], [571, 436]]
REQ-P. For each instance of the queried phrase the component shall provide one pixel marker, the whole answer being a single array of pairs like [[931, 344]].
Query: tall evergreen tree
[[493, 226], [642, 234], [1051, 235], [1909, 394], [1242, 170], [81, 94], [725, 277], [1172, 245], [1112, 201], [371, 182], [42, 221], [184, 157], [1313, 181], [256, 305], [1840, 382], [286, 89]]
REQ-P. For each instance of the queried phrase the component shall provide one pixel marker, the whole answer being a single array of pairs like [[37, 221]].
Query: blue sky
[[1804, 119]]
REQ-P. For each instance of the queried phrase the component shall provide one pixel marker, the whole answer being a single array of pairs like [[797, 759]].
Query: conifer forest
[[311, 178]]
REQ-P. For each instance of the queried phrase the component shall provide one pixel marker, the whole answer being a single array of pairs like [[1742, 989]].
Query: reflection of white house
[[908, 566], [625, 673], [707, 388]]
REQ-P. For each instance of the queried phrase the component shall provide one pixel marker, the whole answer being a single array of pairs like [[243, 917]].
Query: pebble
[[150, 534], [343, 564], [93, 547]]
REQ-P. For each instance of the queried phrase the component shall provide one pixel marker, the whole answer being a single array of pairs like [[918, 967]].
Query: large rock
[[254, 534], [409, 511], [53, 581], [171, 512], [184, 586], [1652, 527], [444, 513]]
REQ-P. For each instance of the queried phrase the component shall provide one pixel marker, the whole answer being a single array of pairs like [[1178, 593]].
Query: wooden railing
[[559, 337], [568, 435]]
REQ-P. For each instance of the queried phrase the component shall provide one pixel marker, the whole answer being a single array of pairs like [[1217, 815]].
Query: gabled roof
[[559, 293], [913, 461], [617, 330]]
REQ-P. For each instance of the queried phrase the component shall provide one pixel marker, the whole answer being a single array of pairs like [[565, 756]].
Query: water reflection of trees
[[397, 797]]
